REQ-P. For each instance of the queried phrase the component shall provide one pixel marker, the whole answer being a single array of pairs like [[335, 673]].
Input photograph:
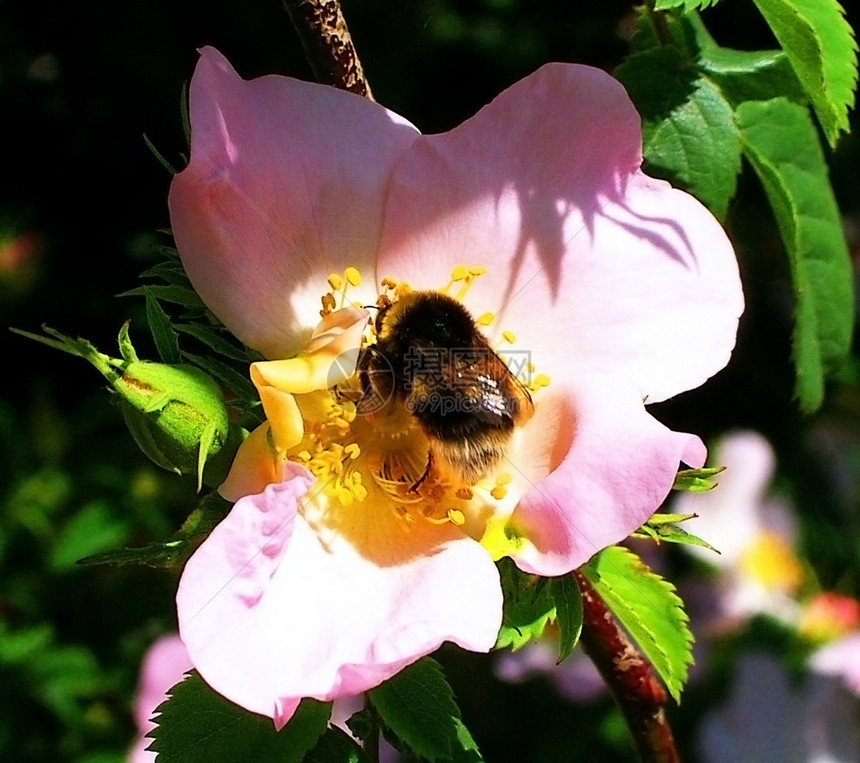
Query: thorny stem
[[328, 45], [630, 677]]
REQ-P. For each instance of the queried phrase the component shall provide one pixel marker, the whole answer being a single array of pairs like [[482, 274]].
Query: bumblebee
[[431, 358]]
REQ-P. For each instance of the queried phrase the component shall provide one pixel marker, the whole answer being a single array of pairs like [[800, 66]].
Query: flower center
[[770, 561], [424, 423]]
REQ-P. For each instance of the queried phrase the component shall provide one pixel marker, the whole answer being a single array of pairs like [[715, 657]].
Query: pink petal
[[598, 465], [163, 667], [840, 658], [273, 608], [285, 185], [594, 265]]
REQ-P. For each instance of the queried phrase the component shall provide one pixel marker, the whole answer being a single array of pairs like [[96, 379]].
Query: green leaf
[[685, 5], [781, 143], [751, 75], [820, 45], [166, 341], [175, 294], [211, 509], [528, 606], [688, 126], [418, 706], [568, 608], [466, 749], [197, 724], [336, 746], [649, 609], [211, 339], [158, 155]]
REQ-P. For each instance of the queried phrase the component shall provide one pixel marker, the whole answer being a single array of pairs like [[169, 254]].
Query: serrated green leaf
[[743, 75], [165, 338], [528, 606], [685, 5], [568, 609], [781, 143], [688, 127], [466, 749], [213, 341], [649, 609], [820, 45], [418, 706], [197, 724], [336, 746]]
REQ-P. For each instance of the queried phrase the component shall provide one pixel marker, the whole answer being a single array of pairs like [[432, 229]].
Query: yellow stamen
[[456, 517], [485, 319], [335, 281], [499, 492], [459, 273], [510, 337]]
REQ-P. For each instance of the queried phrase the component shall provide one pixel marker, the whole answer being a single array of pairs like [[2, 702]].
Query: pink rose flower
[[164, 665], [338, 565]]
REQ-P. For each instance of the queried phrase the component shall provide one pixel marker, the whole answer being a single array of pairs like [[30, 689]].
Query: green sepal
[[210, 510], [528, 606], [664, 527], [532, 602], [697, 480]]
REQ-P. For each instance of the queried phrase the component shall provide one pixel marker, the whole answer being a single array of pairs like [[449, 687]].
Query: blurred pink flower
[[330, 574], [163, 667], [840, 658], [758, 570]]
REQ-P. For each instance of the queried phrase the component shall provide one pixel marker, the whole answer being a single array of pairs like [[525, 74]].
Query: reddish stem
[[630, 677], [328, 45]]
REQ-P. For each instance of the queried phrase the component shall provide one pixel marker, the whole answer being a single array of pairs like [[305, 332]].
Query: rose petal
[[840, 658], [542, 187], [273, 609], [163, 667], [598, 464], [285, 185]]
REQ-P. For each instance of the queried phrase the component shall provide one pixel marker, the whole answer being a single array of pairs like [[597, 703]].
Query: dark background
[[81, 199]]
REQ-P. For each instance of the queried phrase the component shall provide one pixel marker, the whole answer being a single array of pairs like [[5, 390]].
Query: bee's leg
[[414, 488]]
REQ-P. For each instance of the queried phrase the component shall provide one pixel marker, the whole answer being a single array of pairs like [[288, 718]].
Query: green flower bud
[[175, 413]]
